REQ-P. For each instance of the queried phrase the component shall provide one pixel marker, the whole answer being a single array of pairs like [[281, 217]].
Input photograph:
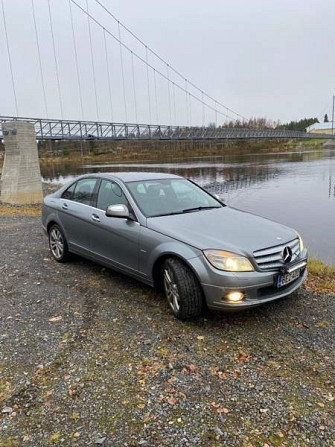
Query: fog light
[[235, 297]]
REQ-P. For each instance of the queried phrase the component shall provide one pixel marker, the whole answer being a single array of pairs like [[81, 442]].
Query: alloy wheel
[[171, 290], [56, 243]]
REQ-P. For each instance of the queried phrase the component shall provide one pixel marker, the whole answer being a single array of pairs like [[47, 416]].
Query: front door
[[114, 240]]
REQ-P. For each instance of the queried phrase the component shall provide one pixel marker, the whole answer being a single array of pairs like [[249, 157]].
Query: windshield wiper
[[187, 210], [199, 208], [167, 214]]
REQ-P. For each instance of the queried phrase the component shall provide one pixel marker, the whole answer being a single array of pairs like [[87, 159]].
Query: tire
[[57, 244], [182, 290]]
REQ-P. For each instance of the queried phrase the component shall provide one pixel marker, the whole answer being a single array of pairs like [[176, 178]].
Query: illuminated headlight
[[301, 243], [230, 262]]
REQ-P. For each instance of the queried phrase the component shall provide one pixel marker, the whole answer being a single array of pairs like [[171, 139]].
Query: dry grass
[[321, 277], [16, 210]]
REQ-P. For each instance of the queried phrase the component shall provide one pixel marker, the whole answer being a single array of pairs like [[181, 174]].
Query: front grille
[[272, 258]]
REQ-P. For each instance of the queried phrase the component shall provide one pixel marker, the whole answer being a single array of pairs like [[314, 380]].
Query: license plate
[[282, 280]]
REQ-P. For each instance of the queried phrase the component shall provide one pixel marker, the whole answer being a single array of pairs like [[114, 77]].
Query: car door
[[75, 213], [114, 240]]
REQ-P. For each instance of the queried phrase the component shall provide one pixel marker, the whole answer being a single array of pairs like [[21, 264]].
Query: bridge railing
[[53, 129]]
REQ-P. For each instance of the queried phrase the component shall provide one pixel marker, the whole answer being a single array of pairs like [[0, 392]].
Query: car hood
[[223, 228]]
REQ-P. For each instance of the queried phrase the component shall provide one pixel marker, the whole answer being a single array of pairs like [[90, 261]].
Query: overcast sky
[[273, 59]]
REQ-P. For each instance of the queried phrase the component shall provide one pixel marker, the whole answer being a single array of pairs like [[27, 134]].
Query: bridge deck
[[53, 129]]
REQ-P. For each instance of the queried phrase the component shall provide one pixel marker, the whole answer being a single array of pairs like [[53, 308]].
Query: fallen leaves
[[172, 401], [55, 437], [219, 409], [56, 319], [322, 324], [243, 357], [301, 325]]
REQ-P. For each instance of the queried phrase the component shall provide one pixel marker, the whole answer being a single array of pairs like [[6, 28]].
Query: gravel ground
[[90, 357]]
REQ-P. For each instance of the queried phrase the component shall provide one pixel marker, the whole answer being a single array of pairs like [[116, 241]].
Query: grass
[[313, 142], [321, 277], [7, 210]]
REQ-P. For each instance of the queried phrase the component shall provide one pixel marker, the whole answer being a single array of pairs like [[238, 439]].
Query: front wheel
[[58, 245], [182, 289]]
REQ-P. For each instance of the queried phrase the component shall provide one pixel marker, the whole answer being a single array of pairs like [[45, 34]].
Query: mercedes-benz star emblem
[[287, 255]]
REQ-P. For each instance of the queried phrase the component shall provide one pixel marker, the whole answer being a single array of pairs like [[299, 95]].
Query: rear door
[[76, 213], [114, 240]]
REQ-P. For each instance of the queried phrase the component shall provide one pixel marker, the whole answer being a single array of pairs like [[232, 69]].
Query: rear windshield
[[170, 196]]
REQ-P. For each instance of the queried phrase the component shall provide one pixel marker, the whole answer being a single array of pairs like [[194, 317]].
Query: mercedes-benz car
[[168, 232]]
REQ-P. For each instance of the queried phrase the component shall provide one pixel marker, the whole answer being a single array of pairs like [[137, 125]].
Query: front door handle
[[65, 206], [95, 218]]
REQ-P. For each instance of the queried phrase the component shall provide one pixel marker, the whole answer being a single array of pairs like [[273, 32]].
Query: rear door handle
[[65, 206], [95, 218]]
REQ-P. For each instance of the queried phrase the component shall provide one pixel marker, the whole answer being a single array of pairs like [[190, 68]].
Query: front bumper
[[258, 287]]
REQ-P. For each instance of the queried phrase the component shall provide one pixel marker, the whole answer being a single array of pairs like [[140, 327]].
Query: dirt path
[[88, 354]]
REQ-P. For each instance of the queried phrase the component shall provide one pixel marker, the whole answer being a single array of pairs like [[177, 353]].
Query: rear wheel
[[57, 244], [182, 289]]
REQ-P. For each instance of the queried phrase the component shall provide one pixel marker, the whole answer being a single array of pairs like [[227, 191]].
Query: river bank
[[153, 151], [88, 354]]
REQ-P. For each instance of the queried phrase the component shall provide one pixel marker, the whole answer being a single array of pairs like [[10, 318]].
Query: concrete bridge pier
[[21, 174]]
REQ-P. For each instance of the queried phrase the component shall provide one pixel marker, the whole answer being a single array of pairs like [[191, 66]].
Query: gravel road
[[90, 357]]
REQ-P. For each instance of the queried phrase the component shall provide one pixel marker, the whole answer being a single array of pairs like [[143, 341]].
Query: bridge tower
[[21, 175]]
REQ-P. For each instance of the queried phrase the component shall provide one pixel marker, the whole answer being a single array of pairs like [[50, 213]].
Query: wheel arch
[[158, 266]]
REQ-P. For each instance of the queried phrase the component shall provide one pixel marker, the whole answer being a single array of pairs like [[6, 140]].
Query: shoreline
[[164, 151]]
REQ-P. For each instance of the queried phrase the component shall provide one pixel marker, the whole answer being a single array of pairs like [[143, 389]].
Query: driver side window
[[110, 193]]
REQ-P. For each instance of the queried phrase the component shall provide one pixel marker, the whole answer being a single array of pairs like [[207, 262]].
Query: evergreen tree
[[326, 120]]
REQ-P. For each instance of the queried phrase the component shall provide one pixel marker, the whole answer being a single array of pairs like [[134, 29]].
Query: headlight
[[230, 262], [301, 243]]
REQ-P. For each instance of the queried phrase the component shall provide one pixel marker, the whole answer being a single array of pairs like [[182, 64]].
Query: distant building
[[321, 128]]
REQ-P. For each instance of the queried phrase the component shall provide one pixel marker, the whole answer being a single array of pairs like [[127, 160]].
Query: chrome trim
[[271, 259], [297, 266]]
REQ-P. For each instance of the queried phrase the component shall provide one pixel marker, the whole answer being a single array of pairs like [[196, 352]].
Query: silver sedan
[[168, 232]]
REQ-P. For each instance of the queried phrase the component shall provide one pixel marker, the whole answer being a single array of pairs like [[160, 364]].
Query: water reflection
[[296, 189]]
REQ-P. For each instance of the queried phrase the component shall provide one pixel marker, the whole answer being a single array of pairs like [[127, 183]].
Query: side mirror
[[120, 211]]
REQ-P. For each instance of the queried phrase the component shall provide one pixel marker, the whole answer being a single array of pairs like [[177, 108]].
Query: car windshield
[[170, 196]]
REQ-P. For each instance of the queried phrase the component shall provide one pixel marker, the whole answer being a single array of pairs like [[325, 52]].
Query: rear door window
[[69, 192], [84, 191]]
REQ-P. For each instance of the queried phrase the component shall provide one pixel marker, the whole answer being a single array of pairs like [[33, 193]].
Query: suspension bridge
[[75, 58]]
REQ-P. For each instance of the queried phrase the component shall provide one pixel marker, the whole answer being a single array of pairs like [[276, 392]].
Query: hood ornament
[[287, 255]]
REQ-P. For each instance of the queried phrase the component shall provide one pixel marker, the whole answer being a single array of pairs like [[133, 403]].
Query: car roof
[[137, 176]]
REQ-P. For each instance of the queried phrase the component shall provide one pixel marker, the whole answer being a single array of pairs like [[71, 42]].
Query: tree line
[[263, 123]]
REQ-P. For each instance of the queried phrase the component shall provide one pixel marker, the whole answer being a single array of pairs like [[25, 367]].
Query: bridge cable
[[92, 60], [174, 103], [108, 76], [123, 45], [56, 61], [187, 111], [166, 63], [122, 71], [9, 57], [168, 85], [156, 97], [134, 88], [190, 107], [76, 61], [39, 59], [148, 83], [203, 110]]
